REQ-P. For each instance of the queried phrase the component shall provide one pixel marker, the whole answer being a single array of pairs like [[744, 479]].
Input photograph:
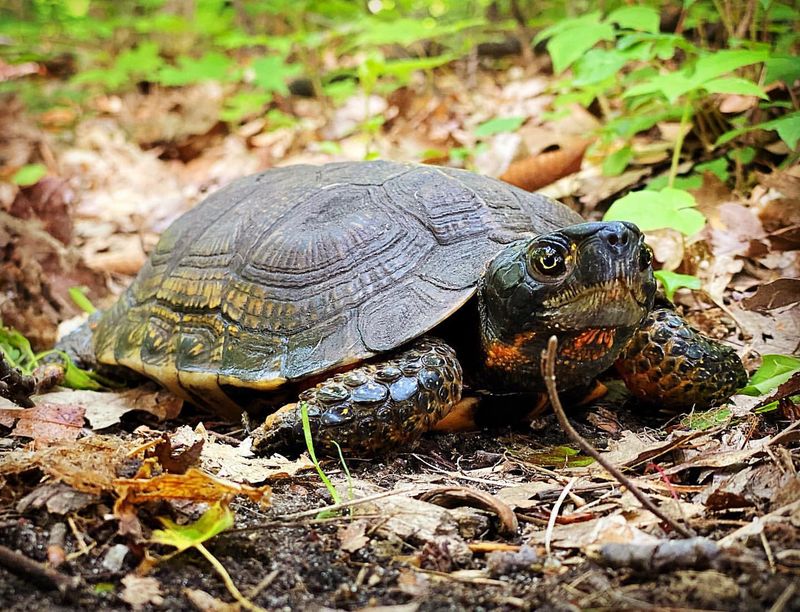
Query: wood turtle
[[380, 294]]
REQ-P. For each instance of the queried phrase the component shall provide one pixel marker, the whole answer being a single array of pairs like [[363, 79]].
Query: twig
[[331, 508], [551, 522], [14, 385], [36, 572], [785, 598], [548, 366]]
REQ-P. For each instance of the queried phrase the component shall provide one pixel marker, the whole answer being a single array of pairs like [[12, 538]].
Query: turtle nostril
[[618, 237]]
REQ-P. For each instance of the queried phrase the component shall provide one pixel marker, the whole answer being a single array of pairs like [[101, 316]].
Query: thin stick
[[548, 366], [340, 506], [36, 572], [551, 522]]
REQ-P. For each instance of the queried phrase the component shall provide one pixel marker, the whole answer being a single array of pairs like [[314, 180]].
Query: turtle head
[[589, 284]]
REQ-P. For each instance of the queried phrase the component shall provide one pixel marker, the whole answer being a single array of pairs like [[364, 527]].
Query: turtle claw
[[670, 363]]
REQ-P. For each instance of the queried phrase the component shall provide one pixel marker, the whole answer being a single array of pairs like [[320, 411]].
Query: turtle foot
[[670, 363], [372, 409]]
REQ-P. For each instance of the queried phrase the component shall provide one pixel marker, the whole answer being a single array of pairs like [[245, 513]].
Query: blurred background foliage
[[631, 65]]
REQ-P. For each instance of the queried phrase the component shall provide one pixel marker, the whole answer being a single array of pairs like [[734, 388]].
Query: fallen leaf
[[351, 536], [90, 464], [453, 497], [778, 293], [194, 485], [47, 423], [523, 496], [104, 408], [541, 169], [141, 591], [176, 461]]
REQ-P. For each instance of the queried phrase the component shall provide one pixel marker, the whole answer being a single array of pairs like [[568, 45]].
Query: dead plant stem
[[548, 366]]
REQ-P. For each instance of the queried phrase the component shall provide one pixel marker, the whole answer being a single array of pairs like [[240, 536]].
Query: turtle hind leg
[[371, 409], [668, 362]]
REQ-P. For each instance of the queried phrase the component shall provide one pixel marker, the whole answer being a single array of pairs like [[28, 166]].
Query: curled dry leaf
[[453, 497], [194, 485], [176, 460], [542, 169]]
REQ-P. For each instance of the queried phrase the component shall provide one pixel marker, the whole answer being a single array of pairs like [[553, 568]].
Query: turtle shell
[[298, 270]]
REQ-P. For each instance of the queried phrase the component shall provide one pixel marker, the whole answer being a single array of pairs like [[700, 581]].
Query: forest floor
[[511, 518]]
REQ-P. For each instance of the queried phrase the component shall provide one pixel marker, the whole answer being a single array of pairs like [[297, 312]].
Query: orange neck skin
[[514, 365]]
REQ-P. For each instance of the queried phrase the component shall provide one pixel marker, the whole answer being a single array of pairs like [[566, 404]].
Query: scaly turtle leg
[[371, 409], [669, 363]]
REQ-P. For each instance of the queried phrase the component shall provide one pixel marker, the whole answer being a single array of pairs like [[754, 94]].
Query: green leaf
[[744, 155], [76, 378], [718, 63], [17, 350], [615, 164], [498, 125], [672, 281], [673, 85], [244, 104], [651, 210], [271, 73], [596, 66], [77, 8], [735, 85], [774, 371], [563, 25], [786, 69], [29, 175], [568, 46], [718, 167], [78, 295], [210, 67], [215, 520], [788, 128], [310, 447], [642, 18]]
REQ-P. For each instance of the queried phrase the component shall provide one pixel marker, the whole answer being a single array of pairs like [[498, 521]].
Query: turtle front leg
[[669, 363], [372, 409]]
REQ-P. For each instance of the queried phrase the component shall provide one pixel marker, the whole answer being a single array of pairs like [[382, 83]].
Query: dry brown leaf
[[47, 423], [238, 464], [351, 536], [89, 464], [176, 460], [777, 294], [536, 171], [453, 497], [194, 485], [523, 496], [139, 591], [104, 408]]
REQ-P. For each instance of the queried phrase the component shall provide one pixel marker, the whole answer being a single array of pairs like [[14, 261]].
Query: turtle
[[378, 297]]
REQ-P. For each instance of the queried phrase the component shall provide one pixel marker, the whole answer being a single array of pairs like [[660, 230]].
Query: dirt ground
[[509, 518]]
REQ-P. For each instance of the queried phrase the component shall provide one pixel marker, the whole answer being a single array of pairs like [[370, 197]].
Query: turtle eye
[[645, 257], [547, 261]]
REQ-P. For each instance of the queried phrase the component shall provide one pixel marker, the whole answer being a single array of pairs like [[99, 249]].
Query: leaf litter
[[145, 160]]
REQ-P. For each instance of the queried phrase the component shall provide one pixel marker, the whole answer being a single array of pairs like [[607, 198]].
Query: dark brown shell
[[301, 269]]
